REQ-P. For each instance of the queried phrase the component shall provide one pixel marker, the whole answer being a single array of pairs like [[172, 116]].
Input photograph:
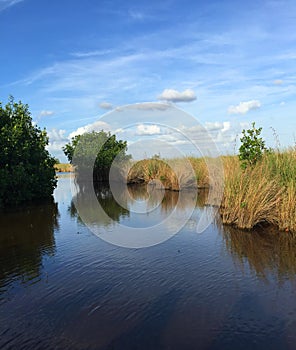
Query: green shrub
[[26, 167], [252, 147]]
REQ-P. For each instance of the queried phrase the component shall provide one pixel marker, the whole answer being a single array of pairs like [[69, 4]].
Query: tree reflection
[[26, 236], [103, 208], [267, 251], [89, 208]]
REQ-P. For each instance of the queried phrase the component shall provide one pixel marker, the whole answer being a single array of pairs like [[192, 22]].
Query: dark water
[[62, 287]]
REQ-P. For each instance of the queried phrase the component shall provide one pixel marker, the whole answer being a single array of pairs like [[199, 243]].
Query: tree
[[26, 167], [97, 150], [252, 147]]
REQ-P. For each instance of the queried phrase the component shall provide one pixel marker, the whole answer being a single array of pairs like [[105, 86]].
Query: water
[[62, 287]]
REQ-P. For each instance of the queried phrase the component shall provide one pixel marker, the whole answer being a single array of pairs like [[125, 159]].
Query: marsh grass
[[261, 194], [264, 193], [63, 167], [249, 197], [174, 174]]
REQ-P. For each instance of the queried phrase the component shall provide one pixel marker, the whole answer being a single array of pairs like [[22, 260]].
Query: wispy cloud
[[8, 3], [46, 113], [106, 105], [278, 82], [220, 67], [137, 15], [145, 106], [172, 95], [244, 107], [91, 53]]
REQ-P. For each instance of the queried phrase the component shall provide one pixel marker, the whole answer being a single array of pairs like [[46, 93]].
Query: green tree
[[252, 146], [99, 146], [26, 167]]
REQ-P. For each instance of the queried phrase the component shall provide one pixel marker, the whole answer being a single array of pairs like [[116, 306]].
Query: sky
[[224, 63]]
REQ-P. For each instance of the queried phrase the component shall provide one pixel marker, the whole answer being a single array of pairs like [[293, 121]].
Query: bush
[[252, 147], [26, 167], [83, 150]]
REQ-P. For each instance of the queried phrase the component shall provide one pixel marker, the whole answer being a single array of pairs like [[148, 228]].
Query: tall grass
[[262, 194], [250, 196], [174, 174], [63, 167]]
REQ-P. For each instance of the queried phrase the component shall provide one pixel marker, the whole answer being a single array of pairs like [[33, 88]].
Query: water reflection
[[266, 251], [26, 236], [184, 294], [129, 200], [106, 200]]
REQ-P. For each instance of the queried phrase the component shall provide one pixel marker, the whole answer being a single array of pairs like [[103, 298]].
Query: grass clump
[[63, 167], [174, 174], [262, 193], [250, 197]]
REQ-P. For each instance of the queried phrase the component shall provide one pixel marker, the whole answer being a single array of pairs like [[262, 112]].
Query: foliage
[[252, 147], [101, 146], [26, 167]]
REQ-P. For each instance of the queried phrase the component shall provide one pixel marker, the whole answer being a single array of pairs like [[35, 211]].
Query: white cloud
[[278, 82], [106, 105], [213, 126], [146, 106], [143, 129], [222, 134], [172, 95], [45, 113], [8, 3], [96, 126], [244, 107], [226, 126], [57, 139]]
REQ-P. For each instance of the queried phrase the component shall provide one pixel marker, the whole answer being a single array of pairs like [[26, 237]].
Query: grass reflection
[[266, 250]]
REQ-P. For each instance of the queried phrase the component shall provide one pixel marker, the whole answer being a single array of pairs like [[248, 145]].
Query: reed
[[63, 167], [287, 208], [174, 174], [264, 193], [249, 196]]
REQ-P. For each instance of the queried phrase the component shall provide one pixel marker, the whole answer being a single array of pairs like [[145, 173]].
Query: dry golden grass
[[249, 197], [264, 193], [287, 208], [200, 168], [63, 167], [174, 174]]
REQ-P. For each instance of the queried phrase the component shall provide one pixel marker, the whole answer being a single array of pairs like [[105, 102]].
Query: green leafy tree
[[252, 146], [99, 146], [26, 167]]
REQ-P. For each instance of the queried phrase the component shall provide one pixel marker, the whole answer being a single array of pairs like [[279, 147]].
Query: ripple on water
[[63, 290]]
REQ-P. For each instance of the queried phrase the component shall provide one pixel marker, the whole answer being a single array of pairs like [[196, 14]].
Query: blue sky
[[227, 63]]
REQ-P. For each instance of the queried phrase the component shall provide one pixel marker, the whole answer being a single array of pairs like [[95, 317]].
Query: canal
[[62, 286]]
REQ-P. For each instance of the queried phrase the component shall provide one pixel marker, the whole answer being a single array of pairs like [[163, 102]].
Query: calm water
[[62, 287]]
